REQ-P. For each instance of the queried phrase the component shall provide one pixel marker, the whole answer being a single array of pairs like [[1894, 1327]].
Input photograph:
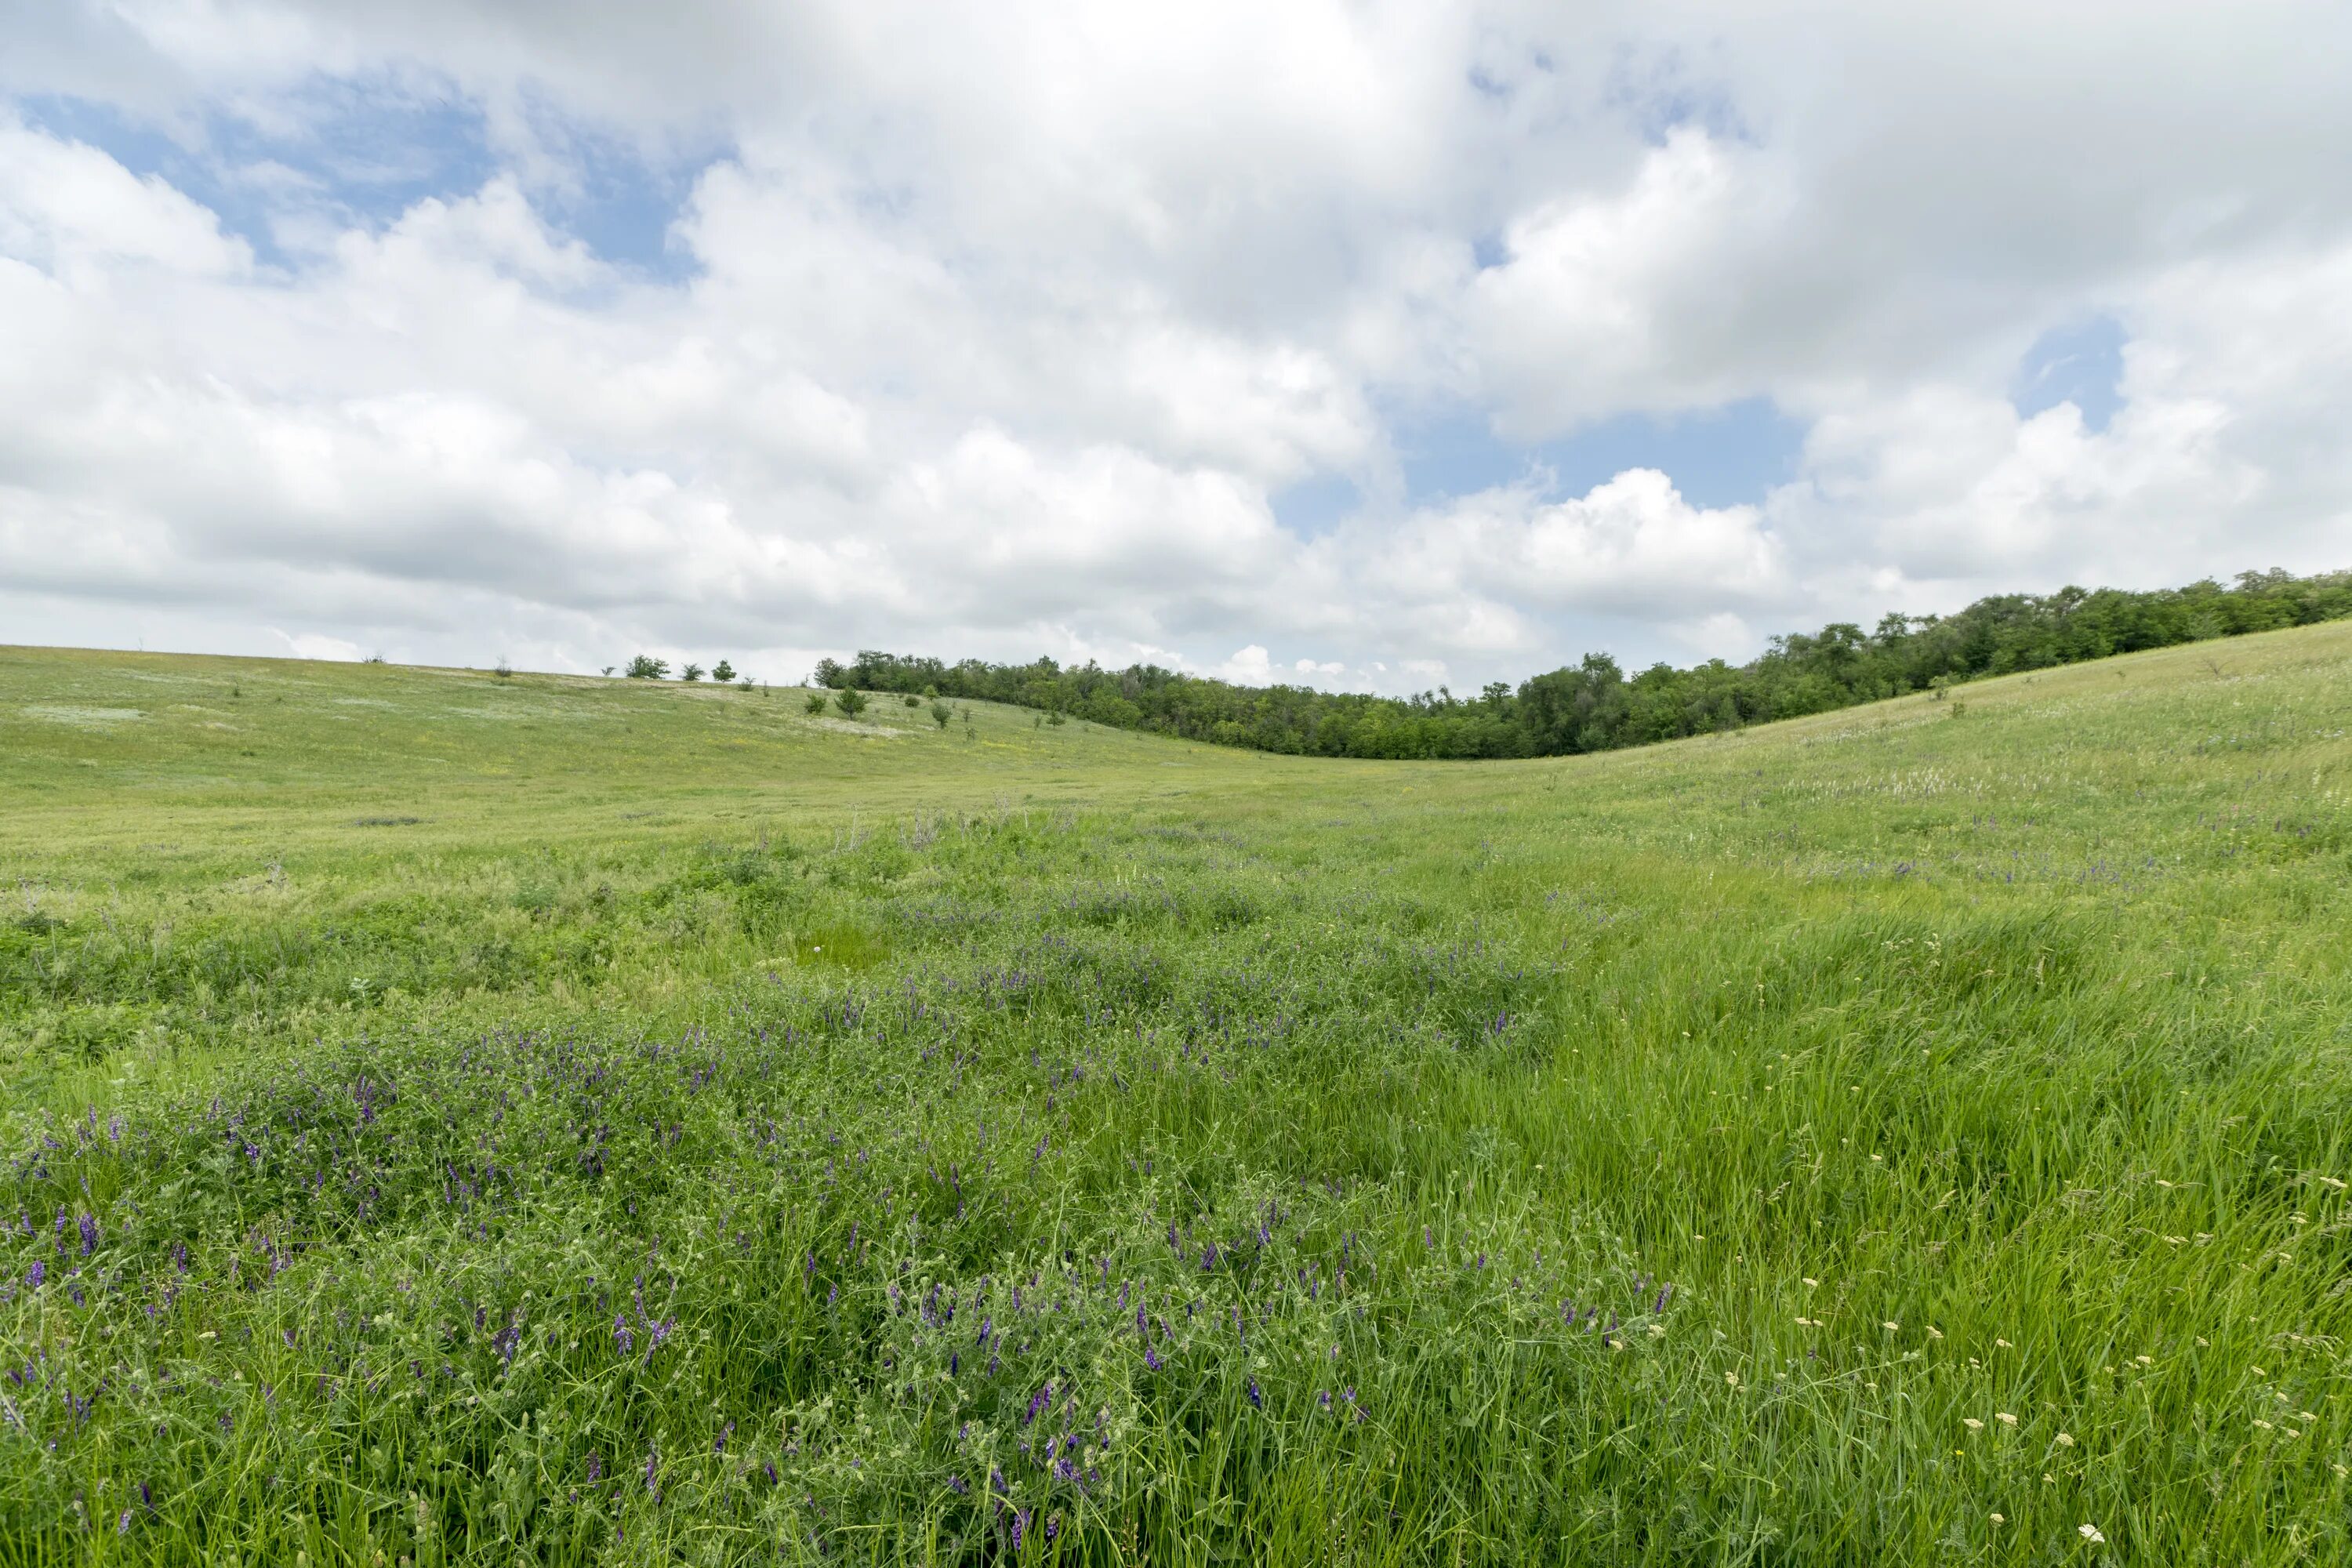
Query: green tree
[[645, 666], [722, 671], [816, 704], [851, 703], [689, 672], [941, 713]]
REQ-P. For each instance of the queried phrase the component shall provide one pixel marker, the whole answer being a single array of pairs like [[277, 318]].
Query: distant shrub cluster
[[1594, 706]]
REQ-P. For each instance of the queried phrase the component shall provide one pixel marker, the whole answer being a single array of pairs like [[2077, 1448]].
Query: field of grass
[[452, 1118]]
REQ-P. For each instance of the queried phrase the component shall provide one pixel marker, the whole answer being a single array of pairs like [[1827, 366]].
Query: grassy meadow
[[453, 1119]]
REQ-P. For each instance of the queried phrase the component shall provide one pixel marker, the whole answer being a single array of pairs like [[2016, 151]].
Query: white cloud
[[1000, 329]]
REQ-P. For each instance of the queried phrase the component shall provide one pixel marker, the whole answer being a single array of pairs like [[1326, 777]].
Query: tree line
[[1595, 706]]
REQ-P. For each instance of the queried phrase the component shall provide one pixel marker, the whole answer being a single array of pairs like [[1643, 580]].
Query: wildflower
[[2004, 1417], [1998, 1519], [1971, 1422], [1892, 1327], [2066, 1441], [1257, 1400], [1151, 1358], [123, 1525], [37, 1273], [623, 1340], [2089, 1533], [89, 1235]]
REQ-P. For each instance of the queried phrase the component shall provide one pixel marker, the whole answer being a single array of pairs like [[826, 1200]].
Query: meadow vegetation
[[451, 1118]]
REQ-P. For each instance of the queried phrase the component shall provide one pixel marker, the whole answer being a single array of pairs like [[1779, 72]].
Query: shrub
[[913, 700], [744, 684], [690, 672], [816, 704], [645, 666], [851, 702], [941, 713], [722, 671], [503, 670]]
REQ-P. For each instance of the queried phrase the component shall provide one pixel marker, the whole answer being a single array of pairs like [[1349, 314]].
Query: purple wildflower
[[88, 1234], [623, 1340], [1257, 1399]]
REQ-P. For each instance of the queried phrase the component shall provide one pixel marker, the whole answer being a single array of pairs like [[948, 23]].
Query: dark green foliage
[[1594, 706], [645, 666], [851, 703], [815, 702], [690, 672], [722, 671]]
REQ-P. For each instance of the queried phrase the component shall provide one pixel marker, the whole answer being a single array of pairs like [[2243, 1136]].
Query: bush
[[913, 700], [852, 704], [645, 666], [722, 671], [744, 684], [690, 672], [941, 713], [503, 670], [816, 704]]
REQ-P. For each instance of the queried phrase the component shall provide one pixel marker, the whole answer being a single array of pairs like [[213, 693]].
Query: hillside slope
[[612, 1123]]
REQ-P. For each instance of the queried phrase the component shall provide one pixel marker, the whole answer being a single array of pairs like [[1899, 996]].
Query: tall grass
[[1885, 1138]]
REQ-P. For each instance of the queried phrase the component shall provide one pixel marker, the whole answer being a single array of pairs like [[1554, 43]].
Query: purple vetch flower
[[1151, 1358], [958, 1485], [123, 1525], [725, 1432], [1020, 1526], [39, 1272], [653, 1470], [1666, 1294], [623, 1340], [88, 1234], [1257, 1399], [1324, 1399]]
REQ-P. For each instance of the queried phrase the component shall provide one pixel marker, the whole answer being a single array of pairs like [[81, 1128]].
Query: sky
[[1367, 345]]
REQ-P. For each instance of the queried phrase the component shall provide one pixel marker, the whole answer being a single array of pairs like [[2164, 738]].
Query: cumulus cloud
[[1006, 330]]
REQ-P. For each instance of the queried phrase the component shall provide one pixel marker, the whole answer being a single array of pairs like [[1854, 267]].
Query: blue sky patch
[[365, 153], [1715, 456], [2082, 363]]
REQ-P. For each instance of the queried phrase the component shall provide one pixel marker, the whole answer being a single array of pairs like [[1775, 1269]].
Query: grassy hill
[[458, 1118]]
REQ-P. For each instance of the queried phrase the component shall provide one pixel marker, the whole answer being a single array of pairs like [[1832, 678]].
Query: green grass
[[483, 1090]]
